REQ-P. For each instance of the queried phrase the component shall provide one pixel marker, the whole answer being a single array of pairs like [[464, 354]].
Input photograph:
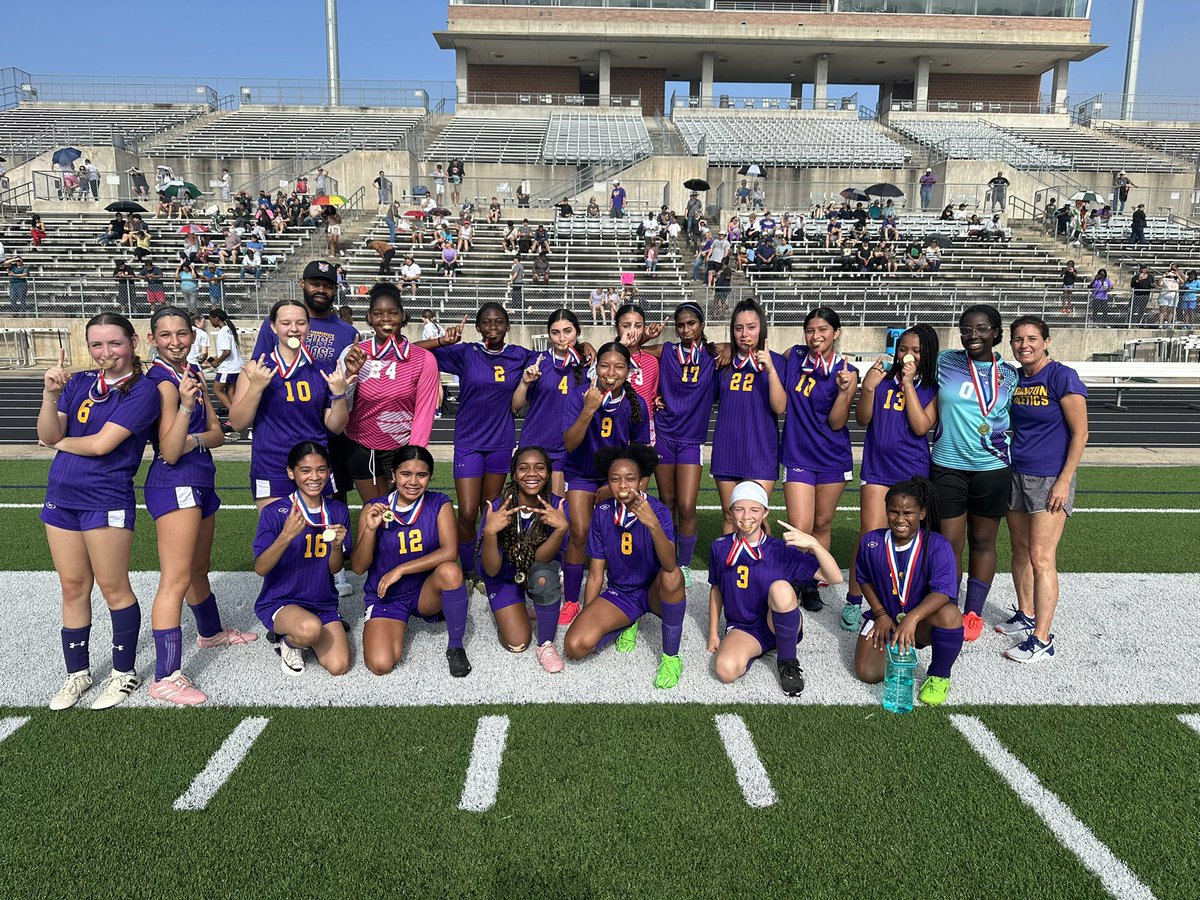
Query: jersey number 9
[[606, 427]]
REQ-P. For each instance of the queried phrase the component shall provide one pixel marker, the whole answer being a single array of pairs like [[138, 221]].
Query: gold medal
[[328, 535], [984, 429], [293, 343], [900, 618], [908, 358], [388, 516], [520, 577]]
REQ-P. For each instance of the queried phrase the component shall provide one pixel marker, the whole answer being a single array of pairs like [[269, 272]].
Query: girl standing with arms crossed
[[227, 362]]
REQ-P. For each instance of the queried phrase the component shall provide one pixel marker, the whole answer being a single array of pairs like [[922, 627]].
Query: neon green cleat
[[935, 690], [669, 670], [627, 639]]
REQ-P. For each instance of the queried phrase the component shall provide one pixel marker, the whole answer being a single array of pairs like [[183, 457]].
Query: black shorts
[[978, 493], [339, 455], [365, 464]]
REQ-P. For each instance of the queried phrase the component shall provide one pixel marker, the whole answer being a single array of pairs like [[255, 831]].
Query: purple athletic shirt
[[808, 441], [397, 543], [747, 606], [891, 452], [688, 388], [507, 570], [746, 437], [608, 428], [1040, 432], [302, 574], [484, 421], [546, 398], [327, 337], [635, 570], [195, 468], [935, 571], [102, 482], [285, 418]]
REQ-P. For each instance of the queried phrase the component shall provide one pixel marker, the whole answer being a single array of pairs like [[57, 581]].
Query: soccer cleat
[[851, 616], [687, 576], [460, 666], [177, 688], [1017, 623], [73, 688], [116, 689], [569, 611], [934, 691], [669, 670], [972, 627], [549, 657], [228, 637], [791, 677], [291, 659], [1031, 650], [342, 581], [627, 639], [810, 597]]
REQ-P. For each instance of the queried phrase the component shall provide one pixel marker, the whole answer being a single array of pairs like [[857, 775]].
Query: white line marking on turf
[[1191, 720], [222, 764], [739, 747], [1114, 875], [483, 772], [10, 725], [247, 507]]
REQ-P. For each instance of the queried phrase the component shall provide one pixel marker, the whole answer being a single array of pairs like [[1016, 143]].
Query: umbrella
[[414, 214], [330, 200], [2, 159], [175, 188], [1087, 197], [212, 210], [696, 184], [853, 193], [125, 206], [883, 190], [439, 211], [192, 228], [754, 170], [66, 156]]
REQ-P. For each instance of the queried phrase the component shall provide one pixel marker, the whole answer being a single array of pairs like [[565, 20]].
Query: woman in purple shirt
[[1050, 431], [99, 422]]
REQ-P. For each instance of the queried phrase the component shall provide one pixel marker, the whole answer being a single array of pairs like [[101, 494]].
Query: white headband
[[750, 490]]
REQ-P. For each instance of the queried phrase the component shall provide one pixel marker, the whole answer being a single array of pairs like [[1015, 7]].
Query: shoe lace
[[791, 668], [1030, 643]]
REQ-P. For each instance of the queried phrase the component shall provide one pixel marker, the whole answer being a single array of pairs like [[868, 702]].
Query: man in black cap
[[693, 211]]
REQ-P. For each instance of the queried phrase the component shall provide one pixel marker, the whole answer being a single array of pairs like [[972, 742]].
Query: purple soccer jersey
[[102, 482], [291, 410], [746, 436], [1040, 432], [611, 426], [744, 582], [629, 551], [687, 383], [935, 570], [484, 421], [808, 441], [327, 338], [507, 570], [891, 452], [413, 534], [546, 398], [195, 468], [302, 574]]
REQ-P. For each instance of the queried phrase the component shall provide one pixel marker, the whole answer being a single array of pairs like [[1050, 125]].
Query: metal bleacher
[[776, 140], [1177, 140], [490, 139], [1090, 150], [979, 140], [573, 138], [30, 128]]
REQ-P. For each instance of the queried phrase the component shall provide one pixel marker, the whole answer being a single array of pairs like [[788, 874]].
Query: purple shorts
[[71, 519], [477, 463], [634, 604], [400, 607], [262, 488], [813, 477], [229, 378], [267, 612], [163, 500], [677, 453], [760, 631], [503, 593], [584, 484]]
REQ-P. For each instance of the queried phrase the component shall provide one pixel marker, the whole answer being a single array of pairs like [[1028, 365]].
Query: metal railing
[[1041, 106], [730, 101], [1144, 108], [545, 98], [16, 198]]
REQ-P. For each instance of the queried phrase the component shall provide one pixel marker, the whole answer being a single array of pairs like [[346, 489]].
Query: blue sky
[[255, 40]]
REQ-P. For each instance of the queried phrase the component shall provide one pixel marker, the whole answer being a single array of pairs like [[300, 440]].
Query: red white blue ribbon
[[287, 370], [406, 515], [815, 361], [103, 387], [743, 546], [902, 583], [398, 348], [322, 522], [740, 362], [691, 357], [570, 358], [986, 406], [623, 517]]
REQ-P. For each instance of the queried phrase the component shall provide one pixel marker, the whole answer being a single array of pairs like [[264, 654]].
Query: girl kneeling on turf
[[521, 543], [751, 576], [300, 543], [632, 539], [910, 582], [408, 546]]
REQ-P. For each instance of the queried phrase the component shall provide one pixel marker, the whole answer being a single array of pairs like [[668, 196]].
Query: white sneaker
[[342, 582], [291, 659], [73, 688], [116, 689], [1031, 650]]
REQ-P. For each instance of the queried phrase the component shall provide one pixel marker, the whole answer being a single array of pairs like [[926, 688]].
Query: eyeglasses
[[967, 330]]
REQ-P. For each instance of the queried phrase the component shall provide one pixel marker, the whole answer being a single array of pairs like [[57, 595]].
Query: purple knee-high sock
[[572, 581], [466, 556], [547, 621], [977, 592], [606, 639], [454, 607], [126, 623], [168, 652], [208, 617], [672, 626], [787, 633], [686, 544], [75, 648], [947, 643]]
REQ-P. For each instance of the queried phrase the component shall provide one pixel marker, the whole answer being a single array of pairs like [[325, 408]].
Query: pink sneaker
[[177, 689], [569, 611], [549, 658], [226, 638]]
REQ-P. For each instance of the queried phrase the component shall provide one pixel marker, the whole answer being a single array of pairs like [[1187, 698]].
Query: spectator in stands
[[455, 171], [1069, 277], [722, 285], [189, 282], [1049, 216], [692, 213], [783, 254], [931, 259], [417, 236], [833, 233], [565, 210], [18, 285], [758, 197], [927, 181], [764, 255], [124, 275], [114, 232], [185, 204], [439, 183], [190, 251], [37, 232], [164, 208], [1062, 218], [524, 237], [862, 255], [889, 231], [650, 259], [598, 300], [593, 209], [302, 185], [252, 263], [616, 200], [142, 241], [1142, 283], [524, 194], [1138, 228], [993, 230], [947, 213], [137, 182], [734, 231], [1187, 302], [516, 280], [448, 264], [875, 210], [509, 240], [214, 277], [699, 262], [322, 182], [383, 188], [333, 234], [156, 293], [1122, 183], [391, 219], [541, 239], [410, 275], [718, 252], [1168, 294], [224, 185], [1099, 289], [343, 283], [846, 258], [541, 269], [231, 248], [81, 191], [466, 234], [93, 178], [998, 191], [743, 196]]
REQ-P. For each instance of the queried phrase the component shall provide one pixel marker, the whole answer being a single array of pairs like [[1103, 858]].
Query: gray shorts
[[1030, 492]]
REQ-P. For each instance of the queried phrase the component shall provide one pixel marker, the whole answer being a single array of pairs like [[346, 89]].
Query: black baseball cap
[[318, 268]]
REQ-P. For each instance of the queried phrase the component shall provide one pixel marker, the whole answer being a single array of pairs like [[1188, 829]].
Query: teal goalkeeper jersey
[[958, 442]]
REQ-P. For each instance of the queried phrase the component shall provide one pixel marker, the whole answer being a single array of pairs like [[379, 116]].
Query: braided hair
[[111, 318], [635, 411], [921, 489], [517, 545], [927, 367], [565, 315]]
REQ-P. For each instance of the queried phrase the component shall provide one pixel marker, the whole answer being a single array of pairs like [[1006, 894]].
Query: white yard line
[[483, 772], [10, 725], [751, 774], [1191, 720], [1116, 877], [222, 764]]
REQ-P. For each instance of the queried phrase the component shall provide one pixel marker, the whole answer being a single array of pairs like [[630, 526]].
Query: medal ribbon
[[690, 358], [741, 545], [610, 404], [322, 523], [622, 516], [303, 357], [570, 358], [814, 361], [100, 390], [740, 362], [902, 586], [483, 346], [177, 376], [986, 406], [399, 348], [410, 511]]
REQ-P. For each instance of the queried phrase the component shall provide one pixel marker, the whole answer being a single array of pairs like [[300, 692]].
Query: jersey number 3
[[743, 576]]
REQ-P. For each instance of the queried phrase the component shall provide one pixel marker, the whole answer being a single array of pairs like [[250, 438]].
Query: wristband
[[187, 409], [337, 397]]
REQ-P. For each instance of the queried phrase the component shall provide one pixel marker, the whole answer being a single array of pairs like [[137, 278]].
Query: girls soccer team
[[523, 526]]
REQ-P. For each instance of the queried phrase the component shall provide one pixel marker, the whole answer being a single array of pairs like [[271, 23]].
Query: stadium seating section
[[775, 140], [487, 139], [978, 140], [33, 127], [575, 138], [1181, 141], [1090, 150]]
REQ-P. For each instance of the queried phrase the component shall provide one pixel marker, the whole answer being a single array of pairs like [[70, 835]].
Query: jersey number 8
[[627, 543]]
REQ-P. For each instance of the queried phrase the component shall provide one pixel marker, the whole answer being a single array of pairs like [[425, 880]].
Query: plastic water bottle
[[898, 680]]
